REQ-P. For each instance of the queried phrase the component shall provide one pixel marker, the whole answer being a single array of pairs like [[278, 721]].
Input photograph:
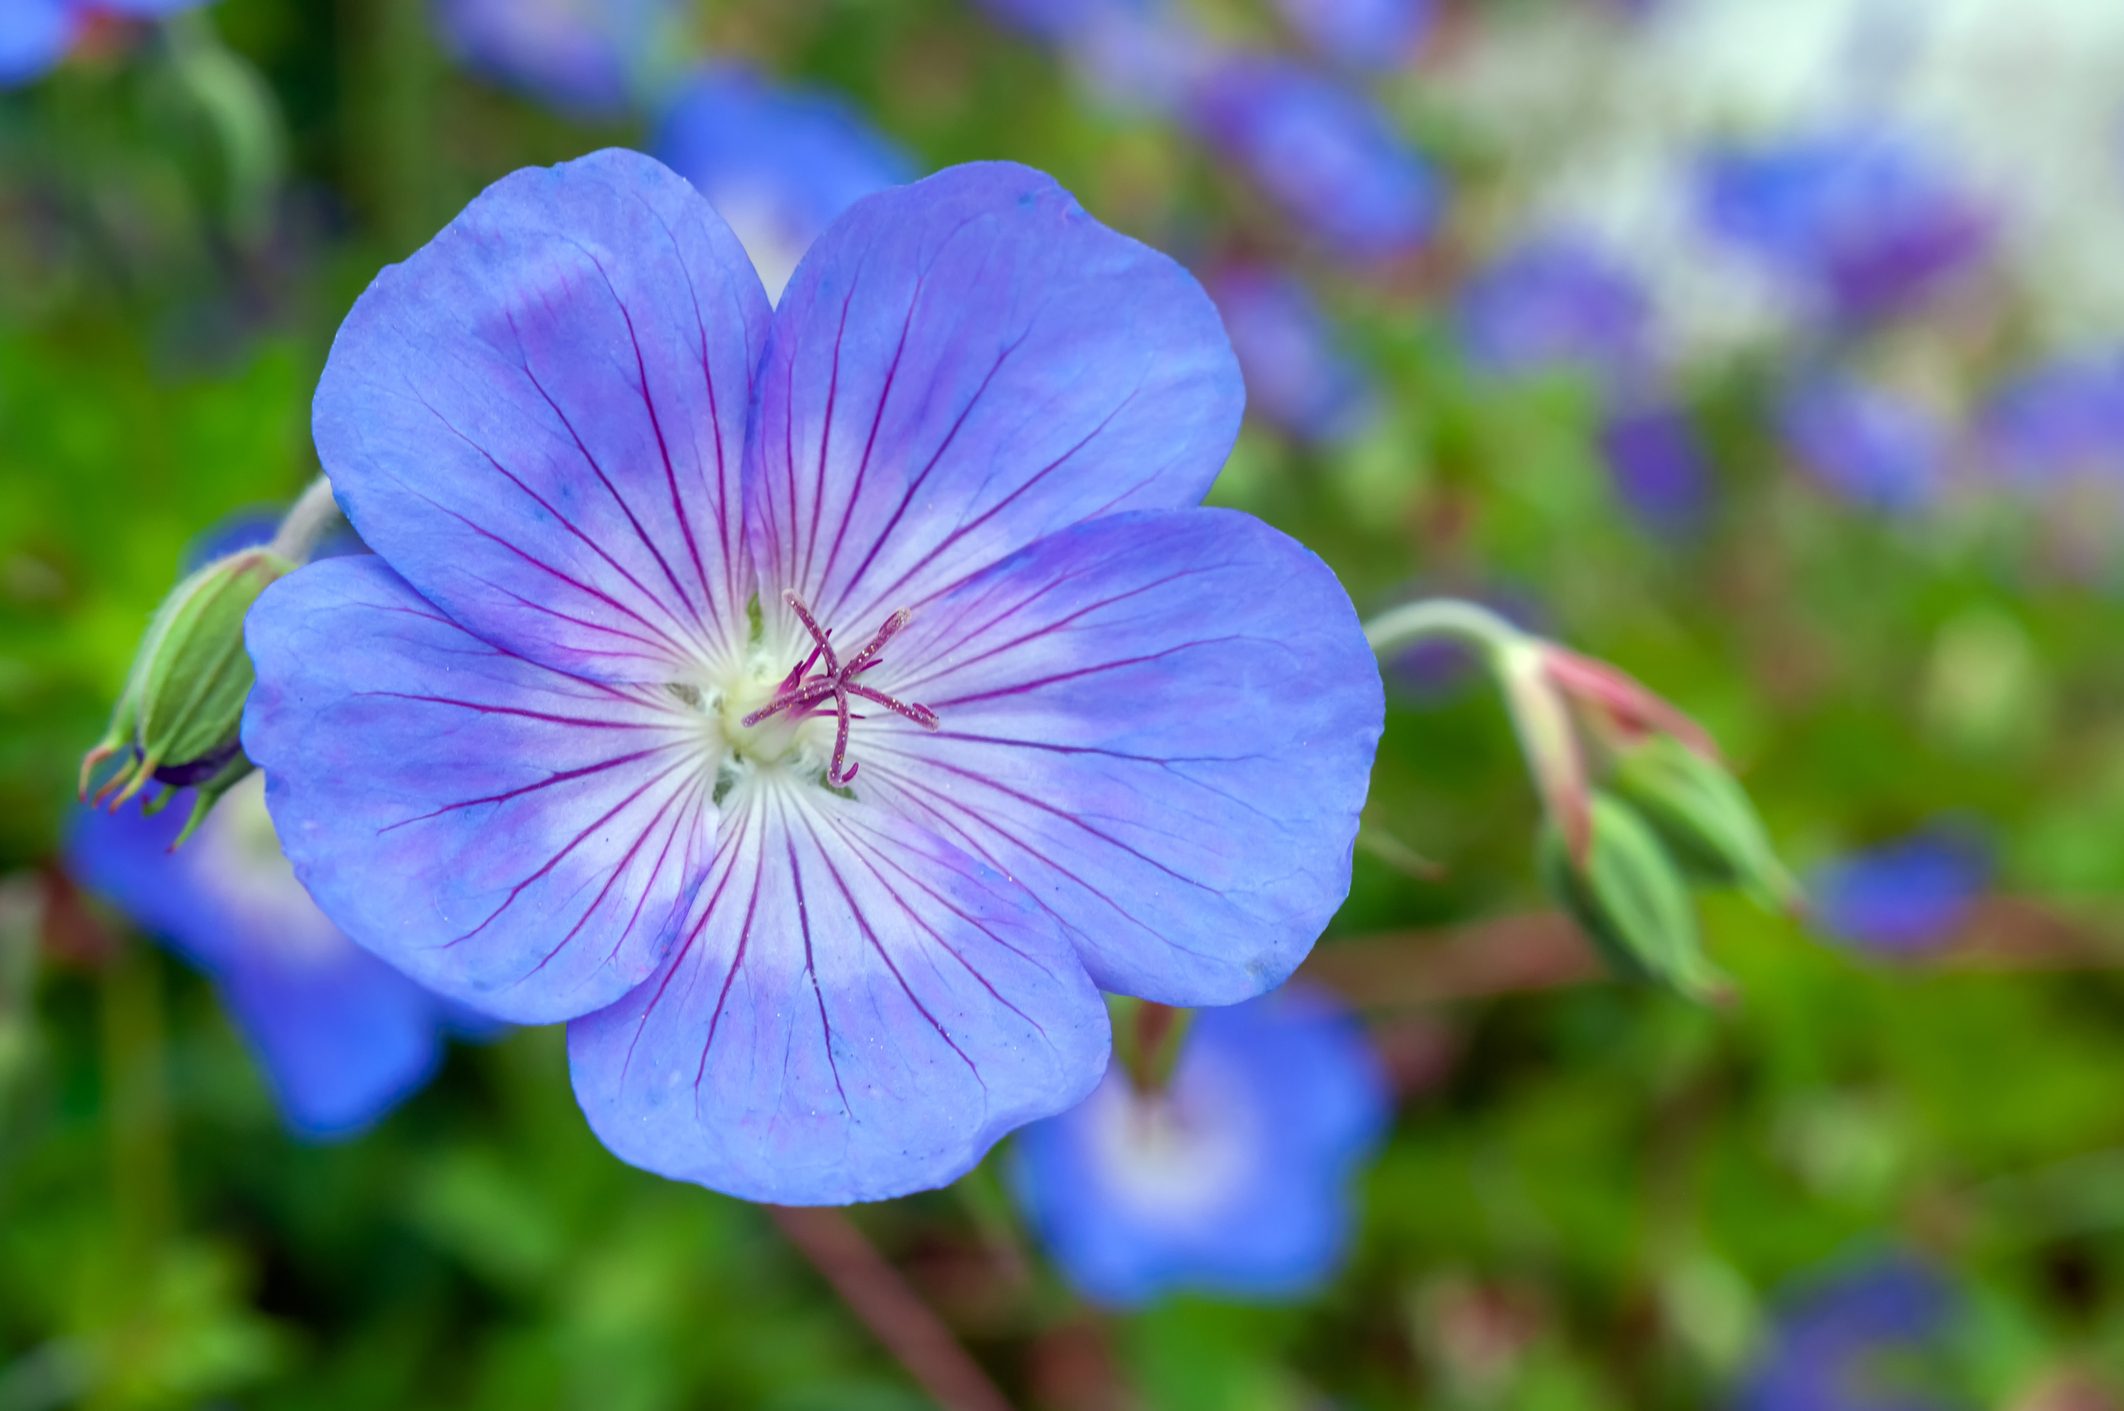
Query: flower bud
[[178, 721], [1704, 818], [1629, 898]]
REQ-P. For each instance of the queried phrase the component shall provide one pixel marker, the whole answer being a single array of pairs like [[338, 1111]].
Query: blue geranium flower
[[2059, 422], [588, 56], [816, 705], [1135, 54], [1554, 303], [1235, 1181], [1864, 442], [1905, 897], [778, 164], [1055, 21], [36, 34], [1297, 374], [1364, 34], [1838, 1345], [1321, 151], [1657, 464], [1860, 225], [342, 1037]]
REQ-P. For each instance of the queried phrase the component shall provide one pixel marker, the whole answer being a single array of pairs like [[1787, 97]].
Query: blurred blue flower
[[2058, 422], [777, 163], [1854, 1342], [342, 1037], [806, 702], [36, 34], [1863, 442], [1058, 21], [1368, 34], [1321, 151], [1134, 54], [1657, 464], [591, 57], [1555, 303], [1859, 225], [1298, 376], [1905, 897], [1236, 1181]]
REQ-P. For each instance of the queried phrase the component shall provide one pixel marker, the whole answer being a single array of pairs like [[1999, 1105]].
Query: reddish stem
[[887, 1305]]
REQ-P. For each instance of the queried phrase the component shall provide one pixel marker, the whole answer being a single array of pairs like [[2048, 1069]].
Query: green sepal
[[1631, 900], [198, 675], [1705, 818], [206, 795]]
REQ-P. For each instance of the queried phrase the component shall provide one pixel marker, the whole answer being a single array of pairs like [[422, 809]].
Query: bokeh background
[[1774, 352]]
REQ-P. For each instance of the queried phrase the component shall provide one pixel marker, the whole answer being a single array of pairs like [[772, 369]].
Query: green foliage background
[[1593, 1195]]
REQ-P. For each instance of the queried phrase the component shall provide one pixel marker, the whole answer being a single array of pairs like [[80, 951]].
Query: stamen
[[802, 688], [921, 715]]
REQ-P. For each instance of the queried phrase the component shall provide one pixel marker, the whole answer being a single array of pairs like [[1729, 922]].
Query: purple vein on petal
[[560, 777], [612, 880], [659, 655], [914, 915], [678, 651], [939, 656], [855, 492], [689, 819], [913, 788], [573, 843], [727, 855], [656, 425], [737, 959], [598, 470], [870, 444], [914, 486], [818, 991], [1023, 687], [833, 393], [715, 415], [863, 924], [1169, 763], [485, 709], [997, 508], [1045, 629], [566, 523], [1074, 820]]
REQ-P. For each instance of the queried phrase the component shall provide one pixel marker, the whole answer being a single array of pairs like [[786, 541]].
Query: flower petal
[[514, 838], [538, 419], [960, 367], [854, 1015], [1160, 724], [1237, 1183], [34, 35], [343, 1038]]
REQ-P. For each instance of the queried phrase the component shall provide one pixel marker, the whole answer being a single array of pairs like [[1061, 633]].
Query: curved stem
[[239, 109], [1540, 711], [1439, 617], [306, 523]]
